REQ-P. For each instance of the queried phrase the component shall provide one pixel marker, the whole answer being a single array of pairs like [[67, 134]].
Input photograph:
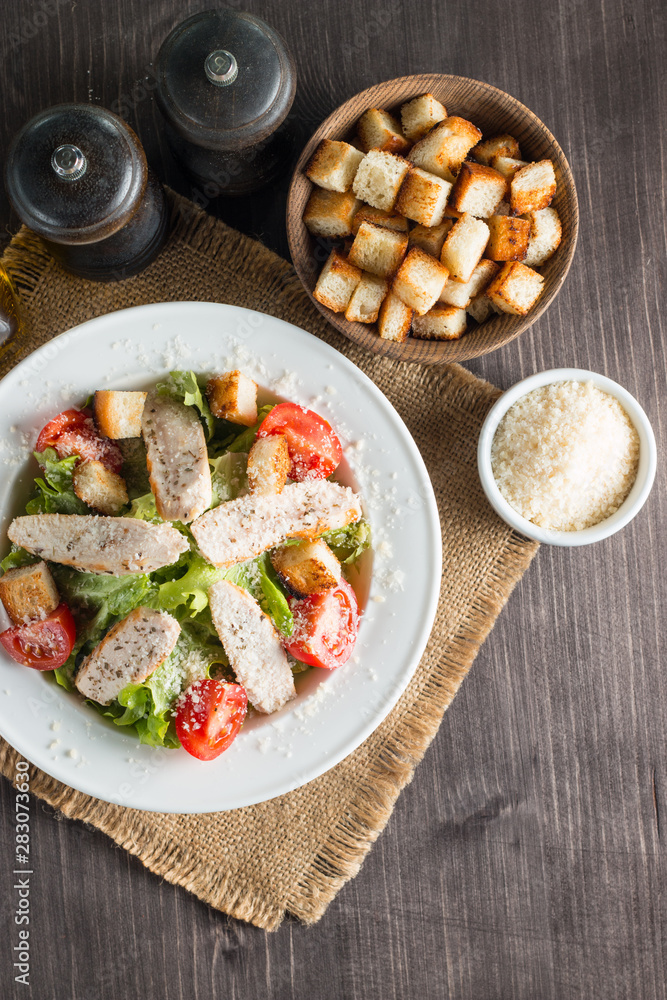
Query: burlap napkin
[[294, 853]]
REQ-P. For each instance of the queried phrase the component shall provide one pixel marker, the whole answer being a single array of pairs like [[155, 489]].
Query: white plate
[[334, 712]]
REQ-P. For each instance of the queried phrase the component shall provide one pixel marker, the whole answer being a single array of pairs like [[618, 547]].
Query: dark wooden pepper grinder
[[225, 84], [77, 175]]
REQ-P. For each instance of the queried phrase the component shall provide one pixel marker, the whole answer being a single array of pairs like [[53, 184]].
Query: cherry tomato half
[[44, 643], [314, 449], [73, 432], [325, 627], [209, 716]]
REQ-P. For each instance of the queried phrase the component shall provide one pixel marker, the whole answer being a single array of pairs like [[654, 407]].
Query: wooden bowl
[[493, 112]]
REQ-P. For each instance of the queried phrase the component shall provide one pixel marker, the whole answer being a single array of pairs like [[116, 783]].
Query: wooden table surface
[[527, 858]]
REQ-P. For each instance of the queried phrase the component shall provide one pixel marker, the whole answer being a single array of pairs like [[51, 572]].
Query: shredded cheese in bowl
[[565, 456]]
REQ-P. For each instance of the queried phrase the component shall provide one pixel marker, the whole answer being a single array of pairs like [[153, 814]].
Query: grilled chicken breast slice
[[113, 545], [246, 527], [128, 654], [178, 468], [252, 645]]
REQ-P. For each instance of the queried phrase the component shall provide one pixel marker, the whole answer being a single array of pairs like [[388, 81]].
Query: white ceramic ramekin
[[633, 502]]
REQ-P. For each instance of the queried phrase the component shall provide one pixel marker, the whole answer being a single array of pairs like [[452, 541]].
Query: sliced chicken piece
[[252, 645], [113, 545], [246, 527], [128, 654], [178, 468]]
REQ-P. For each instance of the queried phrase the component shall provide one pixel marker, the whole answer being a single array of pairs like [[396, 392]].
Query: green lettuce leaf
[[136, 707], [55, 492], [348, 543], [17, 557], [190, 589], [229, 476], [245, 440], [135, 468], [185, 387], [258, 577], [144, 509]]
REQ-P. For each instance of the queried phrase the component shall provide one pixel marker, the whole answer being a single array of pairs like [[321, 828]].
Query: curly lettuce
[[185, 387], [54, 491]]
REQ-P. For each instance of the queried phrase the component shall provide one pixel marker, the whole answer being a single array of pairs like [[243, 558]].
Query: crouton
[[532, 187], [379, 179], [515, 289], [99, 487], [395, 319], [307, 568], [420, 115], [338, 280], [478, 190], [459, 293], [508, 239], [330, 213], [28, 592], [333, 165], [390, 220], [507, 166], [440, 323], [423, 197], [268, 465], [480, 308], [500, 145], [464, 246], [545, 236], [118, 413], [233, 396], [430, 238], [366, 299], [377, 250], [378, 129], [419, 281], [444, 148]]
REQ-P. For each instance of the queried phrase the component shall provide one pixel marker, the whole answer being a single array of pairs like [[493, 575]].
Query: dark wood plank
[[527, 857]]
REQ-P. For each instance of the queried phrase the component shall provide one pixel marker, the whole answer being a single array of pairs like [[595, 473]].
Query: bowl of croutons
[[432, 218]]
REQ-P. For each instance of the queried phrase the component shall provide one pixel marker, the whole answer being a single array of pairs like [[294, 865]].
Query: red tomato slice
[[44, 643], [325, 627], [209, 716], [314, 449], [67, 420], [73, 432]]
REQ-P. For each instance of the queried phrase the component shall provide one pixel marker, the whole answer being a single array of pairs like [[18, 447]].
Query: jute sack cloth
[[294, 853]]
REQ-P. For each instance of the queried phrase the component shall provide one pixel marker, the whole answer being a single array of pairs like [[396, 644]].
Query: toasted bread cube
[[395, 319], [378, 129], [507, 166], [118, 413], [419, 281], [508, 239], [545, 236], [337, 281], [440, 323], [459, 293], [500, 145], [233, 396], [390, 220], [532, 187], [378, 250], [333, 165], [307, 568], [28, 592], [478, 190], [366, 299], [379, 179], [464, 246], [99, 487], [516, 289], [420, 115], [423, 197], [430, 238], [330, 213], [445, 147], [268, 465], [480, 308]]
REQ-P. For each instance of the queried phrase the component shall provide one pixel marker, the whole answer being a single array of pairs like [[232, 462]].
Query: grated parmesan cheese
[[565, 455]]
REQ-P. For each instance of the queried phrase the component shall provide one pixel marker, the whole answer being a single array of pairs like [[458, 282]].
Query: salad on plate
[[186, 552]]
